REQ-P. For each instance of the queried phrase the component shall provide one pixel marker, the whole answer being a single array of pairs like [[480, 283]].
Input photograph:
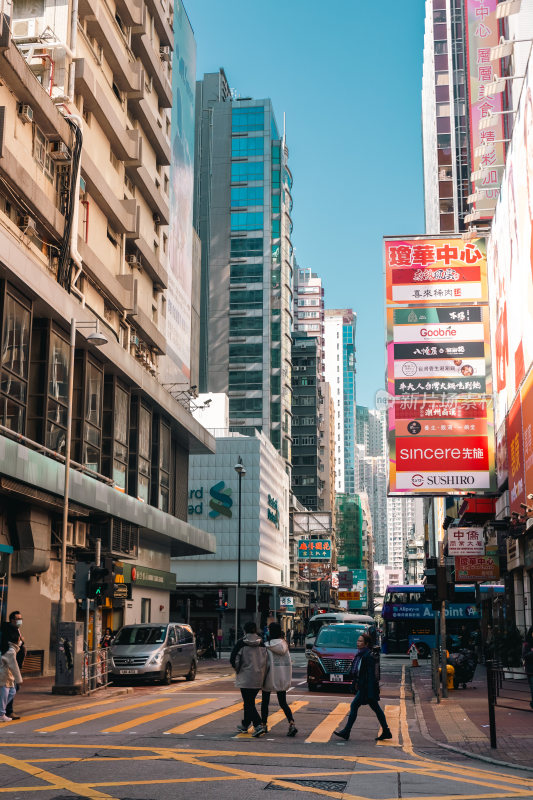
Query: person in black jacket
[[366, 689]]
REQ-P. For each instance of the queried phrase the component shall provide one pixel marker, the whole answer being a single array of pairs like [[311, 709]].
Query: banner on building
[[360, 585], [466, 542], [482, 34], [526, 395], [432, 270], [476, 568]]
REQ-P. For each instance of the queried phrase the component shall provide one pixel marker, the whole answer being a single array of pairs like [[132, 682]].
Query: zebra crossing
[[194, 713]]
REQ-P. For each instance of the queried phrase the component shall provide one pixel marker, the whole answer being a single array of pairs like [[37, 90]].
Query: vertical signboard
[[176, 365], [441, 431], [481, 35], [515, 457], [527, 430]]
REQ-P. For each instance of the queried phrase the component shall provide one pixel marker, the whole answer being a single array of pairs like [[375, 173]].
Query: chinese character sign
[[527, 433], [432, 270], [515, 457], [476, 568], [482, 34], [466, 542], [314, 550]]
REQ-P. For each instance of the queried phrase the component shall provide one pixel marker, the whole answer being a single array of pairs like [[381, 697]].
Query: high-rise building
[[307, 479], [242, 213], [405, 521], [444, 118], [309, 309], [327, 448], [85, 100], [372, 474], [340, 374]]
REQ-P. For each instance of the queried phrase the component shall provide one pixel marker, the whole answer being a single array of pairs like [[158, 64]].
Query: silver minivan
[[152, 651]]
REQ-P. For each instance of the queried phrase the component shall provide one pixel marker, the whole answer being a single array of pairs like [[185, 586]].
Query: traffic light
[[97, 584], [81, 578], [222, 600]]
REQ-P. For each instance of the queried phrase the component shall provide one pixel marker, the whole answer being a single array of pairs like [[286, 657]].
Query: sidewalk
[[461, 721]]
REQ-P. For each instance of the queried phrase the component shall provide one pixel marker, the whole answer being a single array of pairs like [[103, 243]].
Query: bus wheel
[[423, 649], [312, 687]]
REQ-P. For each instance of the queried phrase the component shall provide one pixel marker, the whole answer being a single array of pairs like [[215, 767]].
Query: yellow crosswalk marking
[[324, 731], [275, 718], [68, 723], [132, 723], [193, 724], [65, 710], [393, 718]]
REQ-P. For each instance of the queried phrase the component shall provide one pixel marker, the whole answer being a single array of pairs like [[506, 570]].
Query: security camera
[[530, 496]]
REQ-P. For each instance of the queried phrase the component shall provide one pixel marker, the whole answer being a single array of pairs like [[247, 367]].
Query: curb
[[426, 734]]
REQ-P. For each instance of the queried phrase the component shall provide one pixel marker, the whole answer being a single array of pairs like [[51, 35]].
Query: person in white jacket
[[278, 676], [9, 678]]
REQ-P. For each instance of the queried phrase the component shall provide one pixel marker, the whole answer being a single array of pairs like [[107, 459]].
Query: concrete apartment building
[[85, 154], [340, 374], [242, 212]]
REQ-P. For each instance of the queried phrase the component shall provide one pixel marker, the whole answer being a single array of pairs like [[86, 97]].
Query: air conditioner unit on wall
[[27, 224], [59, 151], [133, 260], [24, 28], [165, 53], [25, 112]]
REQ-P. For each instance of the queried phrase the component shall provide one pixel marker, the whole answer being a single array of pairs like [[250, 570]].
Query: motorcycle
[[464, 662]]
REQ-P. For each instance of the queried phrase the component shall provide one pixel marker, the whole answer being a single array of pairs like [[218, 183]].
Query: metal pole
[[491, 699], [436, 660], [237, 599], [443, 660], [63, 577]]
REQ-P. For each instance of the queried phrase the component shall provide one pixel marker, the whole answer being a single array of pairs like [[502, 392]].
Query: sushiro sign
[[220, 501]]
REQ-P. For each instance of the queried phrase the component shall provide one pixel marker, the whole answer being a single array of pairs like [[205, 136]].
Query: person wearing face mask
[[10, 677], [11, 632]]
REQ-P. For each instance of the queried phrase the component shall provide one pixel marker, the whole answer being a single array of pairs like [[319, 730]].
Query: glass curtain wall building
[[242, 213]]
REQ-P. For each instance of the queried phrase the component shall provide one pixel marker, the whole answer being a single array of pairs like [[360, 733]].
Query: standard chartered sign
[[218, 501]]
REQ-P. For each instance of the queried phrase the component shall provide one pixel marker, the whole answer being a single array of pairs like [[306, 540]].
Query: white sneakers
[[4, 718]]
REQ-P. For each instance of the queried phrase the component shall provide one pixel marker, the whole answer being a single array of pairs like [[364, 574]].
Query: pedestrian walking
[[366, 687], [278, 676], [288, 637], [10, 677], [11, 632], [107, 638], [527, 658], [248, 659]]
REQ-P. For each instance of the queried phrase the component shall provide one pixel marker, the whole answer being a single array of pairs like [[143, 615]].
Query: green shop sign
[[273, 511], [145, 576]]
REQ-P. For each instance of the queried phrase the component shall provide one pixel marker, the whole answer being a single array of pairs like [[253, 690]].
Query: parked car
[[332, 654], [156, 652]]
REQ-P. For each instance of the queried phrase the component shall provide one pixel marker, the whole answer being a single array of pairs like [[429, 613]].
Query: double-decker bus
[[409, 618]]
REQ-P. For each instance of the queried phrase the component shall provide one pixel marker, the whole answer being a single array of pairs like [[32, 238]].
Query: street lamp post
[[240, 470], [97, 338]]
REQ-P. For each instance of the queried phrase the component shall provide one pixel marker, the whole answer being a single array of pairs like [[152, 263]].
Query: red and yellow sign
[[476, 568], [527, 429], [515, 457], [434, 270]]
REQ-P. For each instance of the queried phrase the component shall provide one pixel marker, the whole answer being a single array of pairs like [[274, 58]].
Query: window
[[276, 181], [247, 146], [245, 353], [245, 380], [41, 153], [140, 450], [246, 196], [248, 119], [92, 429], [246, 248], [252, 298], [115, 429], [246, 404], [15, 346], [246, 273], [56, 425], [161, 464], [276, 228], [242, 221], [276, 203], [249, 171], [246, 326]]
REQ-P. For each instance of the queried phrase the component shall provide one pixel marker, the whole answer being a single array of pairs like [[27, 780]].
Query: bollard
[[491, 685]]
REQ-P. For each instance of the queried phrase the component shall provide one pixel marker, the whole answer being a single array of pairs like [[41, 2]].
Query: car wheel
[[191, 675], [423, 650], [167, 675]]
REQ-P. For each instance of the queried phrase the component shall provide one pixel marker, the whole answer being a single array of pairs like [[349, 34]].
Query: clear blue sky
[[348, 75]]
